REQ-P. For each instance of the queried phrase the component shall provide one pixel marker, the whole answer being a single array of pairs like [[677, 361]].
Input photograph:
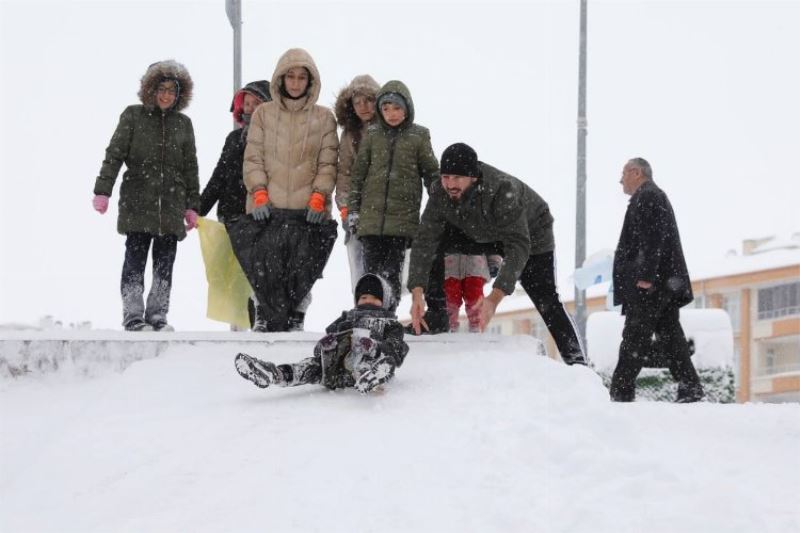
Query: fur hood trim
[[156, 73], [345, 114]]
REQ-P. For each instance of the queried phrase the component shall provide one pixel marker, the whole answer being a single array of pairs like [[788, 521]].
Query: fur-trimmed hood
[[345, 114], [158, 72], [295, 57]]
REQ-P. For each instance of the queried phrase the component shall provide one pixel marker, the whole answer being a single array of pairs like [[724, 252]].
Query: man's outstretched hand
[[418, 311], [487, 306]]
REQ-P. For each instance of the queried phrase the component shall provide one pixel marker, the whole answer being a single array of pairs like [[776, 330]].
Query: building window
[[731, 305], [779, 301]]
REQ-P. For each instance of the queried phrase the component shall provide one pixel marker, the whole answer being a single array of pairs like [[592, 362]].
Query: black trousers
[[539, 281], [651, 324], [137, 247], [384, 256]]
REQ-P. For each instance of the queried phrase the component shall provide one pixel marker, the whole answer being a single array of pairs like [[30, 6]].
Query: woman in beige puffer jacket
[[290, 172], [292, 144]]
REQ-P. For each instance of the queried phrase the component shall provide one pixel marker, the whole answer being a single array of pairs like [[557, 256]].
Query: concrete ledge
[[89, 352]]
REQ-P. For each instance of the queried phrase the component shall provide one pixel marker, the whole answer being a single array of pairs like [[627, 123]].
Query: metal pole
[[233, 8], [580, 222]]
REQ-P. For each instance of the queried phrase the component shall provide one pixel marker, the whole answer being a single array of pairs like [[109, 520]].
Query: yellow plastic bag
[[228, 288]]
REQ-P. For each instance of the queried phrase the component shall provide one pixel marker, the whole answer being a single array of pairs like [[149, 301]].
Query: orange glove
[[343, 213], [260, 197], [261, 204], [316, 208]]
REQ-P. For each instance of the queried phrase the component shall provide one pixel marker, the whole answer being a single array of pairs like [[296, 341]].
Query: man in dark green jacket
[[491, 209], [159, 191]]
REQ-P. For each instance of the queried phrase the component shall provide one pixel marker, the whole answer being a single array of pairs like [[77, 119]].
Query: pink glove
[[100, 203], [190, 216]]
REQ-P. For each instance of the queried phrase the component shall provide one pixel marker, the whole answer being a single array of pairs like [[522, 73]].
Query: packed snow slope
[[473, 435]]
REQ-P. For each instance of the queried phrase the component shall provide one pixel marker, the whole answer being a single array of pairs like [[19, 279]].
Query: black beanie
[[369, 284], [460, 160]]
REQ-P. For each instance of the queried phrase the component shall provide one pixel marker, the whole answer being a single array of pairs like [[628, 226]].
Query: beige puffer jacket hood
[[156, 73], [353, 130], [292, 144]]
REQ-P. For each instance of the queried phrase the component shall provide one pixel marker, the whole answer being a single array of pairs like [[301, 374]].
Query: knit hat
[[460, 160], [393, 98], [369, 284]]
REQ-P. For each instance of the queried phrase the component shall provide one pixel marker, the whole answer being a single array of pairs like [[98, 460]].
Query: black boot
[[296, 321]]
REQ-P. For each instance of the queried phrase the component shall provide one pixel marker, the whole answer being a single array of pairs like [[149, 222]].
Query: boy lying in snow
[[362, 347]]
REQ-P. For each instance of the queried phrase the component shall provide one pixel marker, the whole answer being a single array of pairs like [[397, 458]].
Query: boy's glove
[[190, 216], [316, 208], [261, 203], [100, 203], [352, 223], [343, 216]]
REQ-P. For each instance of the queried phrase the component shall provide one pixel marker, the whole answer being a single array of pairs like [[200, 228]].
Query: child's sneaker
[[377, 374], [262, 373]]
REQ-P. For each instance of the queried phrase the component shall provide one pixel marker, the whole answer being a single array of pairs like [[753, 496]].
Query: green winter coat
[[160, 182], [391, 167], [497, 208]]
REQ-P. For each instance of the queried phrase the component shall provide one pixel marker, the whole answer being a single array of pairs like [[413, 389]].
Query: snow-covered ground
[[472, 436]]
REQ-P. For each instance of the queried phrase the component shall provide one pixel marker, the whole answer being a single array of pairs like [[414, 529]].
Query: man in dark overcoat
[[651, 282]]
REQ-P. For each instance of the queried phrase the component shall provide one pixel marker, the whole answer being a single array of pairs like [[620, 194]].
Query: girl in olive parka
[[159, 189], [394, 162]]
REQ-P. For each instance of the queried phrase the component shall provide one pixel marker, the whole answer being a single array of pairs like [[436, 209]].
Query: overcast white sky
[[707, 91]]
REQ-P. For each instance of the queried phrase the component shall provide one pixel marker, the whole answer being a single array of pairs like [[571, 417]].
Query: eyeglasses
[[167, 90]]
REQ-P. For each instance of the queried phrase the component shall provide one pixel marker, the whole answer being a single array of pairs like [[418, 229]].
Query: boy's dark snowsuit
[[361, 349], [331, 366]]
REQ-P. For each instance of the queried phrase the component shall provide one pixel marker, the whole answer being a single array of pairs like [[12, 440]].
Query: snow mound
[[471, 436]]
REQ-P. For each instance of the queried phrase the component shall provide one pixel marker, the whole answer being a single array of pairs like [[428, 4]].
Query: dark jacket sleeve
[[116, 153], [426, 244], [339, 324], [359, 174], [428, 164], [513, 232], [215, 187], [190, 171], [651, 222], [393, 343]]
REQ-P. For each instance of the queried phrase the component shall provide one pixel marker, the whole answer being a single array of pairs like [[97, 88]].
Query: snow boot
[[690, 393], [378, 373], [138, 325], [162, 326], [262, 373], [296, 321]]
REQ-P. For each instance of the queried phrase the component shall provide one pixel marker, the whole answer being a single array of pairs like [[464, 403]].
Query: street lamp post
[[580, 222], [233, 8]]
